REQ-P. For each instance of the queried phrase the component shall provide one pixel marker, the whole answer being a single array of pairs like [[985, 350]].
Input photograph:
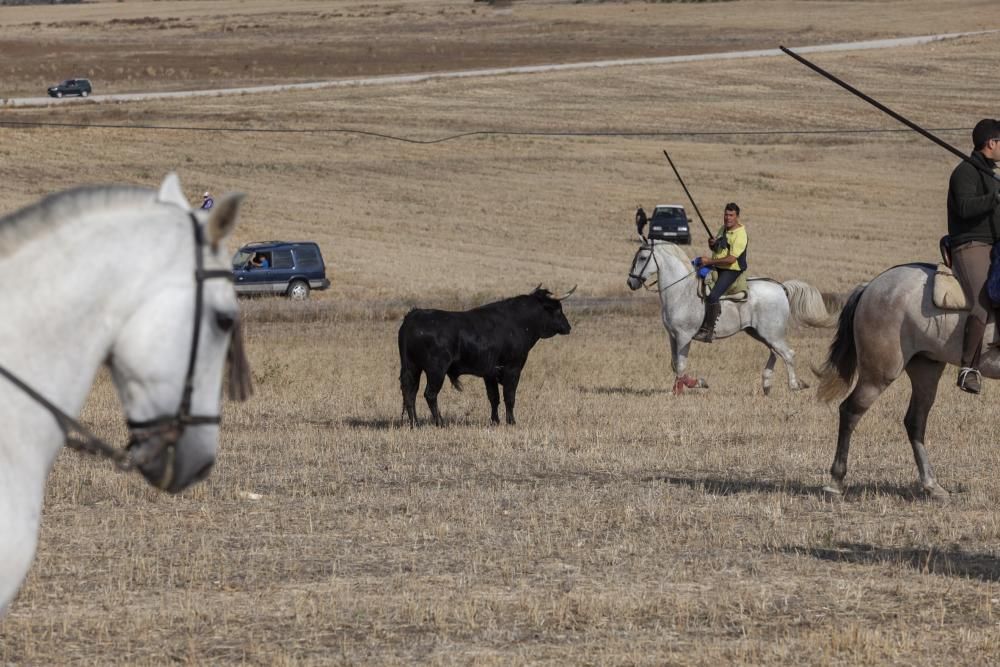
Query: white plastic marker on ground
[[497, 71]]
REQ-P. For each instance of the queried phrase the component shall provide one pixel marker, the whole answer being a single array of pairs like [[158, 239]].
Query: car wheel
[[58, 93], [84, 94], [298, 290]]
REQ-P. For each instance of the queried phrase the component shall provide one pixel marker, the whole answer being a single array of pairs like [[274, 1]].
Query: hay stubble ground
[[615, 524]]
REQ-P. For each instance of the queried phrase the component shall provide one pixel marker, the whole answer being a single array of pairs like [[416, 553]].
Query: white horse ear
[[222, 217], [171, 192]]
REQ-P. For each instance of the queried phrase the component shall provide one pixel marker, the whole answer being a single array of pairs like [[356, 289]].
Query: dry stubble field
[[615, 524]]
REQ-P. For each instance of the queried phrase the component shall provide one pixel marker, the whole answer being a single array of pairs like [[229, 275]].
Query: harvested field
[[616, 524]]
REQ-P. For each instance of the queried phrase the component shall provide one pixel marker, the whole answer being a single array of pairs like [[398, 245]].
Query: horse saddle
[[738, 293], [948, 294]]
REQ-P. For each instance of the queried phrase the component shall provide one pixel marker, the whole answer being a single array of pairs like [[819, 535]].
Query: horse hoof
[[767, 391], [801, 385], [936, 492]]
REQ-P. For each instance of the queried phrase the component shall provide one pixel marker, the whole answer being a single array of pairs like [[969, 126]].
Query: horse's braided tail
[[807, 305], [841, 365]]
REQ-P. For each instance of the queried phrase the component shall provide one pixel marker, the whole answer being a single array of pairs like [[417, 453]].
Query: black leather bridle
[[150, 438], [648, 245], [642, 269]]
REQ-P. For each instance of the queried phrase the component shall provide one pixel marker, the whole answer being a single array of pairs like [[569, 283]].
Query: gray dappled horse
[[764, 315], [890, 326]]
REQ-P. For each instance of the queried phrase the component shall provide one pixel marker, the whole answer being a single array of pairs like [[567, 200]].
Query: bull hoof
[[834, 488], [936, 492]]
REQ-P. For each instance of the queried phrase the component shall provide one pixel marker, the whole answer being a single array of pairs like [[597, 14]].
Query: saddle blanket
[[739, 292], [947, 291]]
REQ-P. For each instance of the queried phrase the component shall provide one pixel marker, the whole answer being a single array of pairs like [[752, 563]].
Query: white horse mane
[[61, 207], [673, 249]]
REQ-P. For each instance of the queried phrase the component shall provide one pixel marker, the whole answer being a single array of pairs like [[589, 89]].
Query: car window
[[307, 257], [241, 258], [282, 259], [669, 213]]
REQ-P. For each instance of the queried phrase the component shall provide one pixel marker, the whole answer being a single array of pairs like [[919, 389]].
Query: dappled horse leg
[[788, 356], [924, 376], [778, 348], [768, 373], [678, 362], [852, 409]]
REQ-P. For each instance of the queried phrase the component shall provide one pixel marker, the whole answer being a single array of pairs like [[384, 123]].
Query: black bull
[[491, 342]]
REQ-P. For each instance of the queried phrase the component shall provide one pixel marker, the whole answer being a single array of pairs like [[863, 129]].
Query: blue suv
[[279, 267]]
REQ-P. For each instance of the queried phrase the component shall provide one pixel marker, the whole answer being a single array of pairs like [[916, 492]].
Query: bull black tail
[[455, 382], [409, 378], [841, 365]]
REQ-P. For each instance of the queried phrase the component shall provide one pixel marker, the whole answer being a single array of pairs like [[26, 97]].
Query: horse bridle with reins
[[150, 438], [652, 258]]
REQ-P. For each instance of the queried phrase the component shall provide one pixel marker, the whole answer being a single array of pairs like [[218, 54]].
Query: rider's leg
[[713, 308], [971, 262]]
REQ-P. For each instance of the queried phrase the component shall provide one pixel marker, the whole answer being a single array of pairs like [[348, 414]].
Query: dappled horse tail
[[807, 304], [841, 365]]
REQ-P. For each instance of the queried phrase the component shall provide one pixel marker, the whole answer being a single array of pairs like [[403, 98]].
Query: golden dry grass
[[615, 524]]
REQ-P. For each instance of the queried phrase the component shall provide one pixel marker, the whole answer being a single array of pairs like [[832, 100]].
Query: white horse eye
[[224, 321]]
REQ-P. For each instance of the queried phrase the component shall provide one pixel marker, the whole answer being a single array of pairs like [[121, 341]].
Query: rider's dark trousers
[[724, 281], [971, 263]]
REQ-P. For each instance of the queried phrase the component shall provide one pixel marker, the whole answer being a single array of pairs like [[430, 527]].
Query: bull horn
[[566, 295]]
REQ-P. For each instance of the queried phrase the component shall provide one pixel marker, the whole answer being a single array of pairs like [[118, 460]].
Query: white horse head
[[127, 277], [169, 388], [663, 261]]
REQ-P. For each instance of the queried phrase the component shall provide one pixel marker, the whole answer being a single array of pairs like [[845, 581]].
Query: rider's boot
[[972, 343], [707, 331]]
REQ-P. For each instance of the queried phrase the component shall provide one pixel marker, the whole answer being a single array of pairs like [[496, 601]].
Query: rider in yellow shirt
[[729, 260]]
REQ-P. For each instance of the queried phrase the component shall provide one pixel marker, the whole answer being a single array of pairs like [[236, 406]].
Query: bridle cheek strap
[[153, 436]]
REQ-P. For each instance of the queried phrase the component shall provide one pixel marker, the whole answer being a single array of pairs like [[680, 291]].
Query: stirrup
[[704, 335], [970, 380]]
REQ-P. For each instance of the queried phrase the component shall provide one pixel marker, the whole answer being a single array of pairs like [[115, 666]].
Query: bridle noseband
[[150, 438]]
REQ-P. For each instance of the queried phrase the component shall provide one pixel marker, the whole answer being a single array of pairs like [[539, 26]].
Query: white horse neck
[[673, 266], [69, 289]]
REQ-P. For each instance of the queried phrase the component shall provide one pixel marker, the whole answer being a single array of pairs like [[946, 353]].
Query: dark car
[[279, 267], [670, 223], [79, 87]]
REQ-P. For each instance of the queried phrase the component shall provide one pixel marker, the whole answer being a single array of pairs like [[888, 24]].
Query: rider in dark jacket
[[973, 229]]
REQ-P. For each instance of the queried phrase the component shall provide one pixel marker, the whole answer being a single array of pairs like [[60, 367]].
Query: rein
[[162, 433], [655, 284]]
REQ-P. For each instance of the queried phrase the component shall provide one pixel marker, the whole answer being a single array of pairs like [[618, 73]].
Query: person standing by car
[[973, 229], [729, 260], [207, 201], [640, 220]]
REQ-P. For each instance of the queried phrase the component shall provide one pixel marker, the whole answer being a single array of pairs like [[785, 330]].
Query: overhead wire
[[474, 133]]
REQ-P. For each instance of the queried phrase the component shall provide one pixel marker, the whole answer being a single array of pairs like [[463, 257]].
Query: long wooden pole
[[690, 198], [881, 107]]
